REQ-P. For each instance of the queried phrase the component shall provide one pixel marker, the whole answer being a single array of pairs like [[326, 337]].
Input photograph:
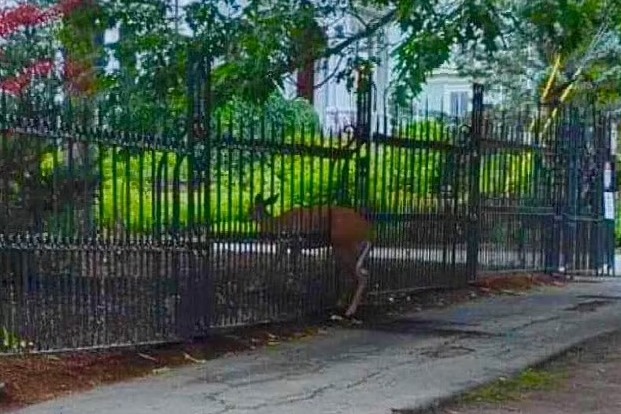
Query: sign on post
[[609, 205]]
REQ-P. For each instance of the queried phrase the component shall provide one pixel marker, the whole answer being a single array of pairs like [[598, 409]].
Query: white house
[[445, 90]]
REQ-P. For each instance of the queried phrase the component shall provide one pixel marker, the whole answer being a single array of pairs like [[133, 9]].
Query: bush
[[278, 115]]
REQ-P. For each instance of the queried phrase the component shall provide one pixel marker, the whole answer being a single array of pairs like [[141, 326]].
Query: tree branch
[[369, 30], [292, 63], [331, 75]]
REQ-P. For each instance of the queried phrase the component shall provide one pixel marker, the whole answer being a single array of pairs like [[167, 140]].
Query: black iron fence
[[113, 236]]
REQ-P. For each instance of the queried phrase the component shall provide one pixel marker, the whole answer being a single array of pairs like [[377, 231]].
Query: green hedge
[[400, 179]]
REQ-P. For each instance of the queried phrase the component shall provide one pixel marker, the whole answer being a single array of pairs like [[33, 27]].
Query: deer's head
[[259, 210]]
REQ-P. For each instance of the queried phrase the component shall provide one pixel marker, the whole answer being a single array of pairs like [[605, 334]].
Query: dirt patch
[[30, 379], [34, 378], [392, 304], [584, 380], [516, 282]]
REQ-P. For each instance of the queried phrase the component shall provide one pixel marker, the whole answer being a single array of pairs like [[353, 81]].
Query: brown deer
[[344, 229]]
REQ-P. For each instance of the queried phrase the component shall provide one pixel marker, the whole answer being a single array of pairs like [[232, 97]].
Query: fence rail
[[112, 237]]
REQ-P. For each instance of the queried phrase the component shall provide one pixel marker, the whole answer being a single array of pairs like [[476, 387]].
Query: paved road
[[406, 364]]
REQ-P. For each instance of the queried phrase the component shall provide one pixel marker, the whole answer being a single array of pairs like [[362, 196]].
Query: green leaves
[[432, 30], [254, 45], [585, 34]]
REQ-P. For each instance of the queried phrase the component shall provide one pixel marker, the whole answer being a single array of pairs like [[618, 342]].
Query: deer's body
[[342, 226], [344, 229]]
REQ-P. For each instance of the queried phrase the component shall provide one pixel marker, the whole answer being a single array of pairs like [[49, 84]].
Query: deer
[[347, 232]]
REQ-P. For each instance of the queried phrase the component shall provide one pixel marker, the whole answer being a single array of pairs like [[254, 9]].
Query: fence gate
[[544, 190], [586, 202], [528, 190]]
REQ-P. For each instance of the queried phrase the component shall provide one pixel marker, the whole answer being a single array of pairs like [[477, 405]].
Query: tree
[[253, 46], [39, 178], [556, 47]]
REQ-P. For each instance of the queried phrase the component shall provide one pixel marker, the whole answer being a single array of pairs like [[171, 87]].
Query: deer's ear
[[258, 199], [272, 199]]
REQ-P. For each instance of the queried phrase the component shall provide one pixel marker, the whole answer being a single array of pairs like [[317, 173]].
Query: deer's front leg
[[281, 252]]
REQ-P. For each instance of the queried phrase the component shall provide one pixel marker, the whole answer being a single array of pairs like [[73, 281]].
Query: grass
[[513, 389]]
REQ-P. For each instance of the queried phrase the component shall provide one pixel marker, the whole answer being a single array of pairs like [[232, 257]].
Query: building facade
[[445, 91]]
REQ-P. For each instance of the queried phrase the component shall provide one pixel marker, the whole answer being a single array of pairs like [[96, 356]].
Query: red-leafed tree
[[31, 79]]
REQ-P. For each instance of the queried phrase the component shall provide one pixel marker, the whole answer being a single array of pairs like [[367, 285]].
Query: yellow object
[[557, 65], [550, 82], [562, 99]]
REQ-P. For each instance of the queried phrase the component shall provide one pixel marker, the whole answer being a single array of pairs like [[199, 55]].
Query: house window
[[459, 103]]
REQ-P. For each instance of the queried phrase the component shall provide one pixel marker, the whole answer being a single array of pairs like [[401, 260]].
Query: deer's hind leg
[[361, 274]]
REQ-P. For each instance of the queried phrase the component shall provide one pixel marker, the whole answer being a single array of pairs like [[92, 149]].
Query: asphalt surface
[[410, 363]]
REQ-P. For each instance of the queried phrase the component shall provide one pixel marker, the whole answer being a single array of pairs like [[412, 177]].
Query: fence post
[[364, 101], [609, 192], [557, 186], [196, 307], [474, 197], [206, 277]]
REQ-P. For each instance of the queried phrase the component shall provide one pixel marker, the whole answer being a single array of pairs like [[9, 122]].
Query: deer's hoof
[[354, 321], [345, 319], [335, 317]]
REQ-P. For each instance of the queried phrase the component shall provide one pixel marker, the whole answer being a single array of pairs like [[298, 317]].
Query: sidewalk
[[407, 364], [593, 369]]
